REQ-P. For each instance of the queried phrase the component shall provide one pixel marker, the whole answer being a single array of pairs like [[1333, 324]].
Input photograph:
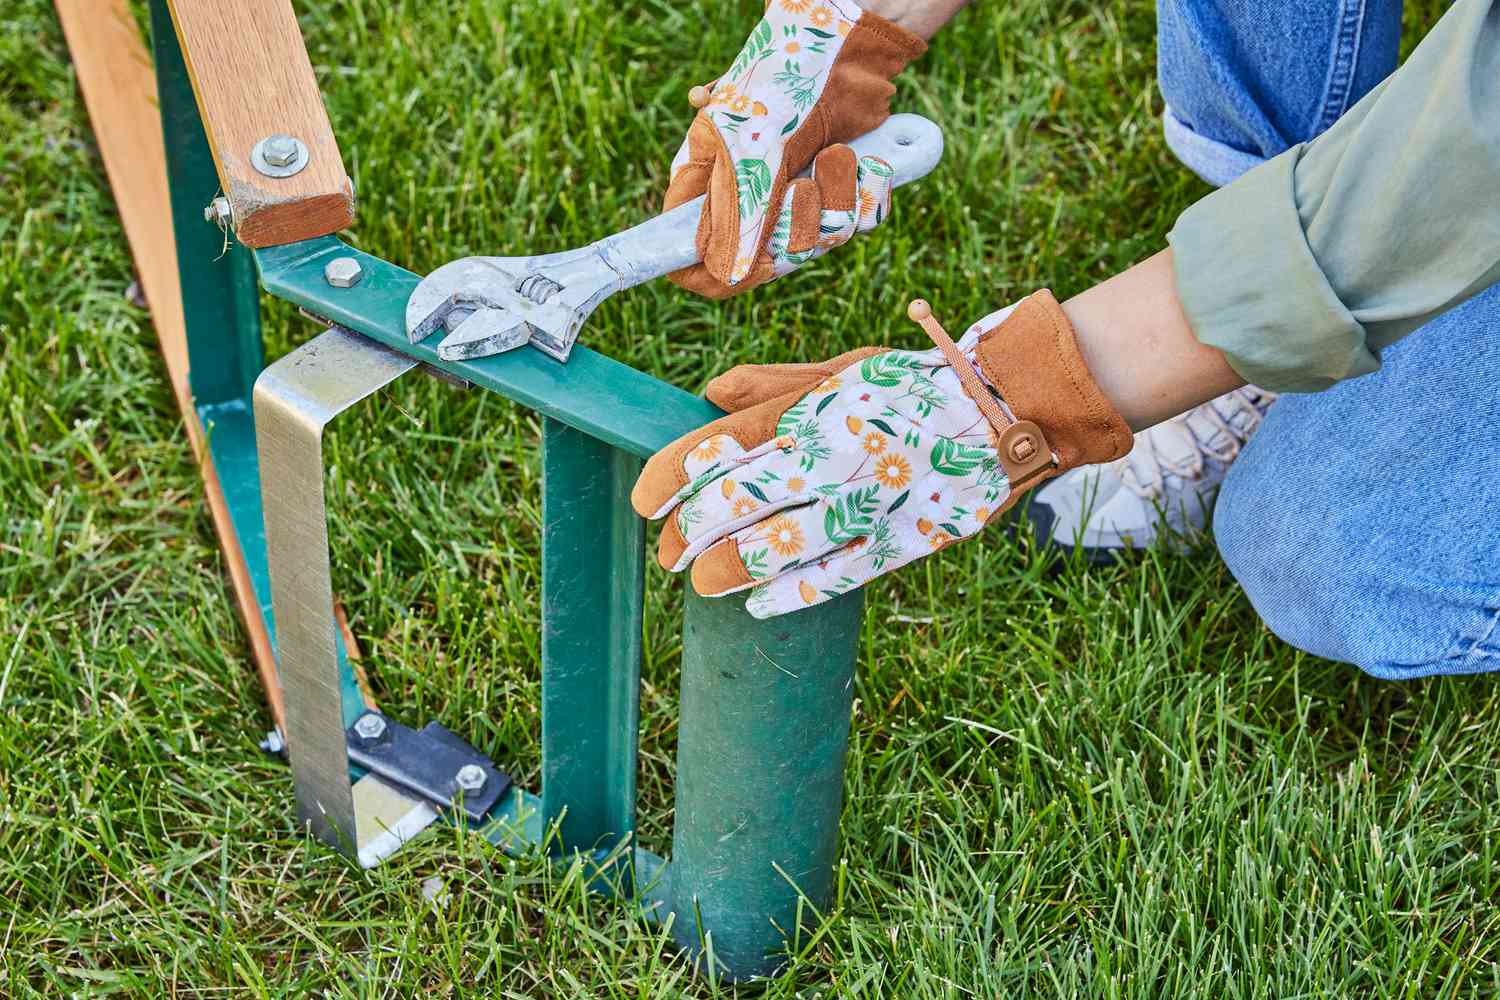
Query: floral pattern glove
[[829, 475], [812, 75]]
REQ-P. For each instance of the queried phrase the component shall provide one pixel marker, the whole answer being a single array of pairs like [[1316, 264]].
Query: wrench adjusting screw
[[538, 288]]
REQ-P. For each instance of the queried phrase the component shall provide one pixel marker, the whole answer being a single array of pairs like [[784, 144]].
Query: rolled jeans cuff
[[1251, 286], [1214, 161]]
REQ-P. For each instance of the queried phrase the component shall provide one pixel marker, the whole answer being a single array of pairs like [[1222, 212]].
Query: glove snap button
[[1024, 453]]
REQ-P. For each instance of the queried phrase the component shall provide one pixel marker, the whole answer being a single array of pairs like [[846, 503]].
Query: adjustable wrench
[[493, 304]]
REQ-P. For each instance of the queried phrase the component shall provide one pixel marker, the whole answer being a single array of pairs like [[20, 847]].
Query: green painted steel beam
[[221, 309], [220, 302], [593, 579], [591, 393]]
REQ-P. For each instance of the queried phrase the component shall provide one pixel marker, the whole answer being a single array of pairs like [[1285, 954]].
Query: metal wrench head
[[492, 304]]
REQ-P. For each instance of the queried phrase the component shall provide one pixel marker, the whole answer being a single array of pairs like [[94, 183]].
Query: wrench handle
[[911, 144]]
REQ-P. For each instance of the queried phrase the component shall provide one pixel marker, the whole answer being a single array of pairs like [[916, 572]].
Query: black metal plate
[[426, 764]]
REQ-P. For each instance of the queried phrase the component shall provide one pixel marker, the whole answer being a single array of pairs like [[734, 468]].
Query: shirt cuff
[[1251, 286]]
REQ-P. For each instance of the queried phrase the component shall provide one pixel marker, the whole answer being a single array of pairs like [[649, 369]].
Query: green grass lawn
[[1064, 780]]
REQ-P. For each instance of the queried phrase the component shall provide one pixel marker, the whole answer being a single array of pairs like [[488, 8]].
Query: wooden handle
[[253, 80]]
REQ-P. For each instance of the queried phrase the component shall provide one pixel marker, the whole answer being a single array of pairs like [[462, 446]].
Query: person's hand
[[812, 75], [827, 475]]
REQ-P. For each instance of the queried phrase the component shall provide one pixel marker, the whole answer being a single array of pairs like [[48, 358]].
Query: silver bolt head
[[343, 272], [279, 156], [370, 726], [470, 777], [217, 211], [281, 151]]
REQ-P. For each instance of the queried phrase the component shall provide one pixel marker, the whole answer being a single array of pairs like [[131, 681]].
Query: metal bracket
[[295, 398], [434, 764]]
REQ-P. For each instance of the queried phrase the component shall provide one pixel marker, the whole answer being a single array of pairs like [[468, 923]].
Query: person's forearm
[[1309, 264], [922, 18], [1140, 349]]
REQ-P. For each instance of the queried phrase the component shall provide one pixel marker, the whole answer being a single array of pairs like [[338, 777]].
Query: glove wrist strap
[[1032, 359], [1020, 445]]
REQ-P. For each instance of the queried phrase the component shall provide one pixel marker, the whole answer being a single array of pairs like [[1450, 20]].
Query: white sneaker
[[1163, 490]]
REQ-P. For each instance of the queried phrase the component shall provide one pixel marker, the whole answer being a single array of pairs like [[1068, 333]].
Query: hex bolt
[[281, 150], [470, 777], [218, 211], [279, 155], [343, 272], [370, 726]]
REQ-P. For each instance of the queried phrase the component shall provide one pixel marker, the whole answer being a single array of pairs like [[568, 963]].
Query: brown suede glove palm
[[828, 475], [813, 75]]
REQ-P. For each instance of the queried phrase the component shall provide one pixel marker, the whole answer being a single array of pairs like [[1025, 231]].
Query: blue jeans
[[1364, 521]]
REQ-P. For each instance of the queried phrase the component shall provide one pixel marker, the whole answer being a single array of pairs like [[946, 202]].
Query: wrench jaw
[[490, 305], [483, 332], [438, 301], [494, 304], [555, 346]]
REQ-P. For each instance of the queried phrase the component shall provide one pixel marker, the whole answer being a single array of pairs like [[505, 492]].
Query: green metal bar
[[593, 572], [592, 393], [221, 309], [762, 733], [219, 299]]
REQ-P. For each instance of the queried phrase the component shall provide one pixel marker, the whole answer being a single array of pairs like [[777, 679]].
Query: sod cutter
[[489, 305]]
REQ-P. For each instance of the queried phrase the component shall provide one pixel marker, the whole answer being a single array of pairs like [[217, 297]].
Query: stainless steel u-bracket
[[295, 398]]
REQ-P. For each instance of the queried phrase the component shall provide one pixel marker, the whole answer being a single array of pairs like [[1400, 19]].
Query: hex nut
[[343, 272], [218, 211], [370, 726], [470, 777]]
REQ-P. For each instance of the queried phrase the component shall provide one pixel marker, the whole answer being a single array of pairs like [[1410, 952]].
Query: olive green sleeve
[[1307, 265]]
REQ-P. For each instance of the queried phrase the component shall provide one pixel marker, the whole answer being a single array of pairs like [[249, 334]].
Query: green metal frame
[[221, 309], [765, 704]]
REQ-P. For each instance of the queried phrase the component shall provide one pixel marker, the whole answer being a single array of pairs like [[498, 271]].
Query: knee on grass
[[1327, 581]]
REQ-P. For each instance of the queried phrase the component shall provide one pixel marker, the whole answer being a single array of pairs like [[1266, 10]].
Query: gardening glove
[[813, 75], [828, 475]]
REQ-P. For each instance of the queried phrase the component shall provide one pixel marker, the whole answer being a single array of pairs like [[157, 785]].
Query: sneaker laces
[[1180, 447]]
